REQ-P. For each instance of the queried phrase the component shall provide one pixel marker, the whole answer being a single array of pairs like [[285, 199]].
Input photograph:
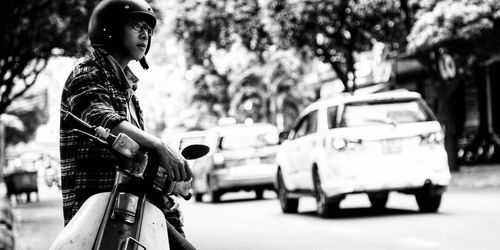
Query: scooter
[[126, 218]]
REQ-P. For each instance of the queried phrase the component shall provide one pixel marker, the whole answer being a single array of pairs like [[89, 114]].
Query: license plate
[[391, 146]]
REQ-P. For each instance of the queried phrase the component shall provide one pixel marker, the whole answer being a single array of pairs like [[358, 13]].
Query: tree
[[31, 112], [471, 26], [208, 25], [31, 32], [212, 92], [229, 39], [283, 73], [335, 30]]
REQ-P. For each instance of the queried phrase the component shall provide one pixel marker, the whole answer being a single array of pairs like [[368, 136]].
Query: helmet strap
[[143, 63]]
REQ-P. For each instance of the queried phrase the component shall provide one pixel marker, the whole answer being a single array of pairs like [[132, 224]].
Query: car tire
[[259, 194], [325, 207], [288, 205], [427, 201], [378, 200], [214, 194], [198, 197]]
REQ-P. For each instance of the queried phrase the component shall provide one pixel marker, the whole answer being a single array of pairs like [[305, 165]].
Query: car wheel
[[287, 205], [198, 197], [259, 194], [214, 194], [325, 207], [379, 199], [428, 202]]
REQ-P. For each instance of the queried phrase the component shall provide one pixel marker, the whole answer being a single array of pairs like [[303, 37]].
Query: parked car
[[241, 157], [373, 144]]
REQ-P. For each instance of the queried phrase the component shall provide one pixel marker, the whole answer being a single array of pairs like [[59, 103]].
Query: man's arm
[[176, 166], [89, 99]]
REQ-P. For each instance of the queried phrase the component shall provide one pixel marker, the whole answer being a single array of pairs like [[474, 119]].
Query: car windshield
[[249, 139], [387, 112]]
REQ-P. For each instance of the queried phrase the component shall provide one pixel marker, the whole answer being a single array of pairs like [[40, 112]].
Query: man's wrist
[[159, 145]]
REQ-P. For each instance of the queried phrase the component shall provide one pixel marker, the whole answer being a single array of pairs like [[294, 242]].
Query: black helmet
[[108, 16]]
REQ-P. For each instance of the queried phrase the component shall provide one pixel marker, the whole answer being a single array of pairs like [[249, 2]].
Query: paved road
[[468, 219]]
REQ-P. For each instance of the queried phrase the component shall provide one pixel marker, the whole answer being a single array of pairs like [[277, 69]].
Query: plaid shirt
[[96, 93]]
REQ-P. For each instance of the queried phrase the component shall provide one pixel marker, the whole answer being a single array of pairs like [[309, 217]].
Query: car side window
[[301, 127], [312, 124], [332, 117]]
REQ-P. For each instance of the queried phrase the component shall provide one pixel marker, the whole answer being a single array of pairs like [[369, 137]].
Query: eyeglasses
[[140, 26]]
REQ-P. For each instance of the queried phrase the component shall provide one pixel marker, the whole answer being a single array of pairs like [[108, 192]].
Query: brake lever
[[191, 152]]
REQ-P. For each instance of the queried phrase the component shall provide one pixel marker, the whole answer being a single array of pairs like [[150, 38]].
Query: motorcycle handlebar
[[77, 122]]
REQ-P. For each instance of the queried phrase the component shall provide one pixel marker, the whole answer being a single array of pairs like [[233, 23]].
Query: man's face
[[135, 39]]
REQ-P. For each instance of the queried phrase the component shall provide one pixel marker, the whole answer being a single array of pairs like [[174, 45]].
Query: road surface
[[468, 219]]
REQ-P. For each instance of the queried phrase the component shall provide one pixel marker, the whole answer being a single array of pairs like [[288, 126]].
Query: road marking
[[419, 242]]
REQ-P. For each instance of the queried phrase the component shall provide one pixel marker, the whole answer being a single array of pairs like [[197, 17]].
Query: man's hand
[[176, 166], [182, 188]]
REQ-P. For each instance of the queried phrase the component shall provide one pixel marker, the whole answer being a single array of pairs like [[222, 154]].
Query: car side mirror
[[283, 136]]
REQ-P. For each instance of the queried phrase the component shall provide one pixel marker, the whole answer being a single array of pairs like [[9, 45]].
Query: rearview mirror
[[195, 151]]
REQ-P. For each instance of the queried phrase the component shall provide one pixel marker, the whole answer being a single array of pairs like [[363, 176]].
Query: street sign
[[446, 66]]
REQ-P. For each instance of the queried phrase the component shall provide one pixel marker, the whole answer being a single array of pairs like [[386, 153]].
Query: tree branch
[[7, 95]]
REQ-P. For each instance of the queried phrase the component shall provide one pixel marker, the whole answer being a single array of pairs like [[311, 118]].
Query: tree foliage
[[470, 26], [31, 118], [335, 30], [229, 39], [208, 25], [212, 91], [31, 32]]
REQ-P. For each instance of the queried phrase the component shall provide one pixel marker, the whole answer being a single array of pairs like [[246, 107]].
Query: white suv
[[373, 144]]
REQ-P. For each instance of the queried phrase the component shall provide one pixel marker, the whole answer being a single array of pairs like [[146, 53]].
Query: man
[[100, 91]]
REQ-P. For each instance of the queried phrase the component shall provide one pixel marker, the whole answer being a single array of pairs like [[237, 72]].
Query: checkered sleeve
[[89, 99]]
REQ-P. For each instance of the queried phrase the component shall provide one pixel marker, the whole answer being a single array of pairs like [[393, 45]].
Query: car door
[[308, 151], [295, 153]]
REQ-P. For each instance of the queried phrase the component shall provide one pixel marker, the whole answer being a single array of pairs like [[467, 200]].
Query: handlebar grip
[[77, 122]]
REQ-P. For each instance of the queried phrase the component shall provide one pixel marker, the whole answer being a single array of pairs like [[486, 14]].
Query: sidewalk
[[36, 224], [476, 177]]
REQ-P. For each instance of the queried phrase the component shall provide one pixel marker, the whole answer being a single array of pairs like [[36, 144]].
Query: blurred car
[[372, 143], [241, 157]]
